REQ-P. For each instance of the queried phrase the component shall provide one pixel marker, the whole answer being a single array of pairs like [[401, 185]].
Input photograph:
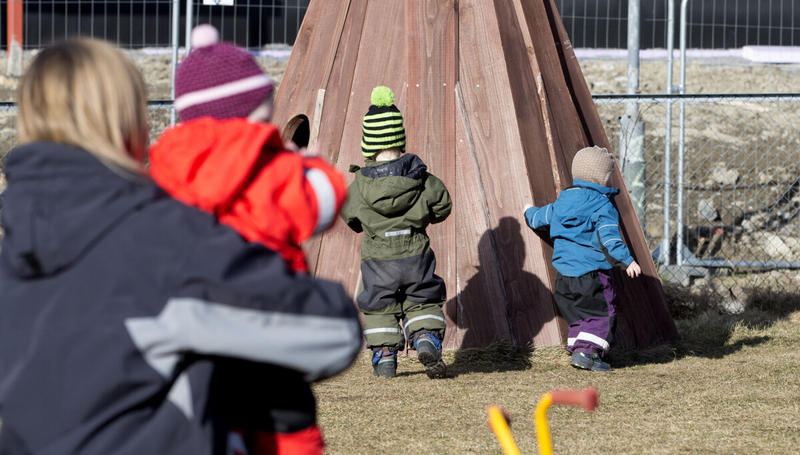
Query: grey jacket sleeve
[[237, 299]]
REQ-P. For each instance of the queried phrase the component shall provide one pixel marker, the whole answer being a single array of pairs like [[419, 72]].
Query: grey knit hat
[[593, 164]]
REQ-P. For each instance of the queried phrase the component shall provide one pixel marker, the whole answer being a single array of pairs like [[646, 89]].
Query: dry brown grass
[[730, 386]]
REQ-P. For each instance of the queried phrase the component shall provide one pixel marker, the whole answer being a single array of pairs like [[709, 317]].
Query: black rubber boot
[[429, 353], [384, 362], [591, 362]]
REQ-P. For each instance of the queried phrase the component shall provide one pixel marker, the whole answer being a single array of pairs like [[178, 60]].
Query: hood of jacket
[[605, 190], [392, 187], [581, 199], [206, 162], [59, 200]]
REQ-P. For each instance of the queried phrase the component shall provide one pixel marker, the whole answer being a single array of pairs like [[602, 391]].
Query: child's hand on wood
[[633, 270]]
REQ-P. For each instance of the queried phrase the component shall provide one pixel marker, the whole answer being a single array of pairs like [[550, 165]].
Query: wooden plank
[[310, 63], [642, 299], [332, 117], [559, 72], [524, 112], [491, 105], [315, 121], [528, 65], [311, 247], [577, 118], [479, 306], [430, 116], [339, 83], [536, 130], [558, 165], [540, 144], [565, 116], [305, 76], [340, 252]]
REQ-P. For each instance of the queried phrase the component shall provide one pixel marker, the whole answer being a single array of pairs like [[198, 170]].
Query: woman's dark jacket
[[119, 306]]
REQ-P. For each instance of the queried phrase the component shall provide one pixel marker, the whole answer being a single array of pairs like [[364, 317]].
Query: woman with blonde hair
[[120, 304]]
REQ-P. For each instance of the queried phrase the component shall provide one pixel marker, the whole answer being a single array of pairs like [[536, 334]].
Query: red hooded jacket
[[239, 171]]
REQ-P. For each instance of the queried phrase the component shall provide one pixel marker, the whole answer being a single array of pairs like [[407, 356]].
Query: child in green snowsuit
[[392, 200]]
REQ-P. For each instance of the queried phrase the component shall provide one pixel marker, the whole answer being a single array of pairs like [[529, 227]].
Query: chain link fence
[[732, 218]]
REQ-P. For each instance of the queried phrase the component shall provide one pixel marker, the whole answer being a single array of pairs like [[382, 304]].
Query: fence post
[[14, 14], [681, 139], [189, 8], [664, 253], [631, 136], [176, 12]]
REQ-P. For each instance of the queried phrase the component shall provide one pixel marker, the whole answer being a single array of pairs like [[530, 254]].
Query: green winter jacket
[[393, 202]]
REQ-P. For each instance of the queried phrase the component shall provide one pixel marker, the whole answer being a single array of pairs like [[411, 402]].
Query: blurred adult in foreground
[[119, 303], [225, 158]]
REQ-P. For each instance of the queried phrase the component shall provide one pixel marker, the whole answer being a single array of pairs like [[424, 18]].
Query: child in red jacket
[[224, 158]]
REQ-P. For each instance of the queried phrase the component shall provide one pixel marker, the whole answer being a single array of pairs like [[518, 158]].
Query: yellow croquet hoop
[[498, 421], [499, 425], [540, 422]]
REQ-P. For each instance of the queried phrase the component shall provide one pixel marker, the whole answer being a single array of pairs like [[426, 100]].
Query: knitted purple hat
[[218, 79]]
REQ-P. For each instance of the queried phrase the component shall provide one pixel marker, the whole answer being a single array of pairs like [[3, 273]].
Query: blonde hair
[[388, 154], [84, 92]]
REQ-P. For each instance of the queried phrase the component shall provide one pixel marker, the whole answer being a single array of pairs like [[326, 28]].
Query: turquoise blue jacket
[[584, 227]]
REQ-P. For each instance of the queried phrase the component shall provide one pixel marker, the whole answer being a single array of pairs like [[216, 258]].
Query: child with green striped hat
[[392, 199]]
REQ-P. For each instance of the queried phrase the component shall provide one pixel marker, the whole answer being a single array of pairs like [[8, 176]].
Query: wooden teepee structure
[[495, 103]]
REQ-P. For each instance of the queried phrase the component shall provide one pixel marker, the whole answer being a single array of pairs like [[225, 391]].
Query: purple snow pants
[[588, 304]]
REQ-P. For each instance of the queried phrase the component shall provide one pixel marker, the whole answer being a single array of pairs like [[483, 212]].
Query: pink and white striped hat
[[218, 79]]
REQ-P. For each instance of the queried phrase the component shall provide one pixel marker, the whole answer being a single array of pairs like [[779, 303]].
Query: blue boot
[[429, 353]]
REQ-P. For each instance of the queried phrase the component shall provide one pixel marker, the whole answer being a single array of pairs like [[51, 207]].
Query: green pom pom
[[382, 96]]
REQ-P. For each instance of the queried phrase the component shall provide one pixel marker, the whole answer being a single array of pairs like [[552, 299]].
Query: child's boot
[[384, 362], [429, 353], [586, 361]]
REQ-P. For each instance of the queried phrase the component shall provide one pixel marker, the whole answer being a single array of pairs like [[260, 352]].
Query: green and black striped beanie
[[382, 127]]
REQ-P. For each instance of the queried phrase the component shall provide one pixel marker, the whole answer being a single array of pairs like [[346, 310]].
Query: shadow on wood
[[495, 103]]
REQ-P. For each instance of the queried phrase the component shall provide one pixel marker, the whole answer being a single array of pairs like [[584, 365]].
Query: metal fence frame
[[683, 99]]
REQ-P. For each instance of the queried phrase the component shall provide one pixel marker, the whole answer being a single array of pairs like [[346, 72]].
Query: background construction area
[[722, 186]]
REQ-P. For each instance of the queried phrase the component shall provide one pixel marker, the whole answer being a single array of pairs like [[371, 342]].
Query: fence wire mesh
[[716, 24], [741, 189], [253, 24], [126, 23], [603, 24], [712, 24]]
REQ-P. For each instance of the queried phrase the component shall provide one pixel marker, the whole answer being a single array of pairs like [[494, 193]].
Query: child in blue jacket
[[584, 227]]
